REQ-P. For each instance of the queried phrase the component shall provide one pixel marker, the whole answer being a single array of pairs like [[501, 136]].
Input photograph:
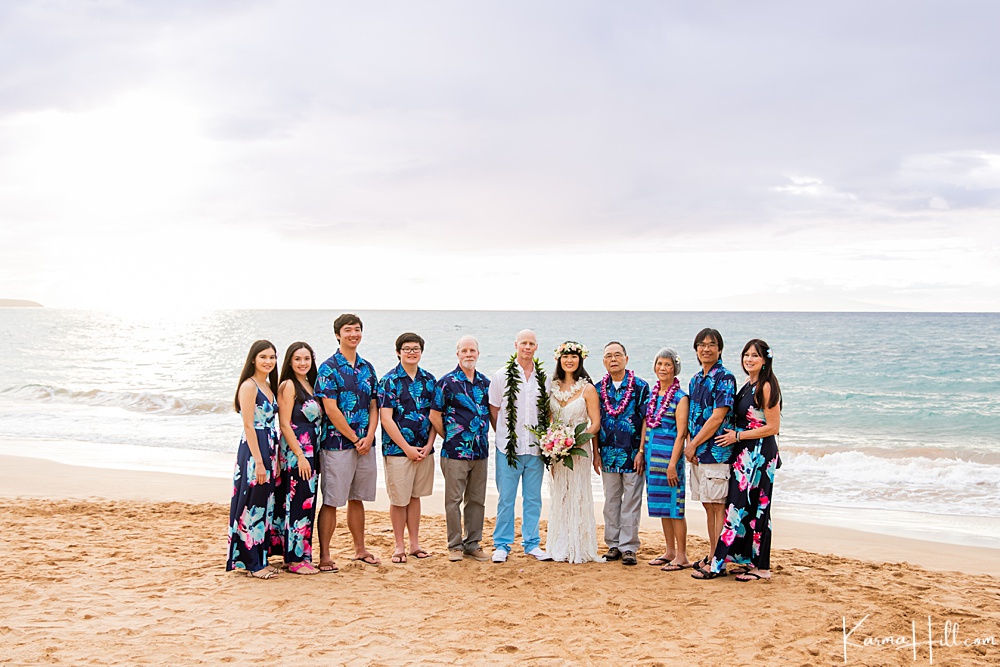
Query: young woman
[[666, 431], [746, 534], [251, 513], [301, 419], [572, 534]]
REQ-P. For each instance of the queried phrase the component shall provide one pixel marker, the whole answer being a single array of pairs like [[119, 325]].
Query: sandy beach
[[121, 567]]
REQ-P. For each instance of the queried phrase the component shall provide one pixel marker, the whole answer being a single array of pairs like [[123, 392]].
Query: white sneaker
[[539, 554], [499, 555]]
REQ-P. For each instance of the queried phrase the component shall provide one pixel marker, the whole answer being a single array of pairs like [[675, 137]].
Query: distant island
[[19, 303]]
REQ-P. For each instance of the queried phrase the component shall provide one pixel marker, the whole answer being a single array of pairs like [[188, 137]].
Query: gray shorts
[[709, 482], [345, 475]]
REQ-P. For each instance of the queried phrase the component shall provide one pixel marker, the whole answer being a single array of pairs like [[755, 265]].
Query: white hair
[[458, 345], [671, 354]]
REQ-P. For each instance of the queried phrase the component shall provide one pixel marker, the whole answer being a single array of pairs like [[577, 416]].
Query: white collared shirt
[[527, 410]]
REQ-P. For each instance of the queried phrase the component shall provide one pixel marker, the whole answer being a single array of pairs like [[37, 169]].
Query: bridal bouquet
[[561, 442]]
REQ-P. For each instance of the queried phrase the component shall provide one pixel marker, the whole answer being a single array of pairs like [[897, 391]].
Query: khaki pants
[[464, 481], [622, 509]]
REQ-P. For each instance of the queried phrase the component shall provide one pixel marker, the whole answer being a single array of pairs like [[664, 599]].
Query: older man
[[461, 415], [624, 397], [516, 391]]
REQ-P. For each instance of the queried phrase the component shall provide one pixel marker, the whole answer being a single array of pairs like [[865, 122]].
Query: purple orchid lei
[[654, 417], [629, 388]]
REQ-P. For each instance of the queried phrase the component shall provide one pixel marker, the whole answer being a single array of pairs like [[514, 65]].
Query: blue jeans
[[532, 470]]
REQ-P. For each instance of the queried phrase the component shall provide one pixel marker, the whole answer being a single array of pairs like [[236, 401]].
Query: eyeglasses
[[410, 350], [615, 355], [708, 346]]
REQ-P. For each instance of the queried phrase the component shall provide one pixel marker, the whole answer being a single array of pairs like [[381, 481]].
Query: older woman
[[666, 431]]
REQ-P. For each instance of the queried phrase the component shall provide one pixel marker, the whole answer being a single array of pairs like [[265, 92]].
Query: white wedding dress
[[572, 533]]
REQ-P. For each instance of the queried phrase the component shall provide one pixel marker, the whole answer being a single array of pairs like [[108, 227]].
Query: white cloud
[[166, 136]]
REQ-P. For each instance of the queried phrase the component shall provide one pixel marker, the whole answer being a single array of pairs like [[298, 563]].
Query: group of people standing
[[642, 438]]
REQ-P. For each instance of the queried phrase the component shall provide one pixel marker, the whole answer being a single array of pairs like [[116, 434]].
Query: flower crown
[[570, 347]]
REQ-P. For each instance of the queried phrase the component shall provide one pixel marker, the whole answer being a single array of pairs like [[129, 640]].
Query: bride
[[572, 533]]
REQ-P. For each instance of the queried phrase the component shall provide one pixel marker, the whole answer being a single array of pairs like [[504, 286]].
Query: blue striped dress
[[663, 500]]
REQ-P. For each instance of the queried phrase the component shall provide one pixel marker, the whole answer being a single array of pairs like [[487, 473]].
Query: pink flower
[[764, 500], [728, 535]]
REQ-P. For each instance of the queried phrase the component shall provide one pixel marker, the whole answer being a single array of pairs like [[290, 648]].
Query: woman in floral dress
[[746, 534], [301, 419], [251, 512]]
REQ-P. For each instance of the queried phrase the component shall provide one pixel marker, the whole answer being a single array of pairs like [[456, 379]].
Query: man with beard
[[460, 414]]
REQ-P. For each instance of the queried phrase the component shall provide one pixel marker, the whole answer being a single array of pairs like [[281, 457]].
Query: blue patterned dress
[[746, 534], [251, 512], [663, 500], [300, 494]]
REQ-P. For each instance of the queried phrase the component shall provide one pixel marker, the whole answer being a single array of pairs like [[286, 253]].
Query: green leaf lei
[[512, 385]]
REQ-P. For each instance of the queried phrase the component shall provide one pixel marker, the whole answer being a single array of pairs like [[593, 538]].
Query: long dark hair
[[249, 367], [581, 372], [766, 375], [288, 373]]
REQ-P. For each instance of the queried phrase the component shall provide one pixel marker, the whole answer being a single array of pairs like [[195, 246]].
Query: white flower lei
[[563, 396]]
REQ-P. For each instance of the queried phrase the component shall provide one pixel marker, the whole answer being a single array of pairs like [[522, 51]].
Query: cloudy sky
[[571, 155]]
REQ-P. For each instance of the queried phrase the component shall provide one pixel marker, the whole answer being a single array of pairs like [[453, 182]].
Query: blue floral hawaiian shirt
[[619, 437], [465, 411], [708, 392], [410, 401], [353, 387]]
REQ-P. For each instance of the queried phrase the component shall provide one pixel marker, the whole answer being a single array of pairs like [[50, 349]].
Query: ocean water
[[896, 413]]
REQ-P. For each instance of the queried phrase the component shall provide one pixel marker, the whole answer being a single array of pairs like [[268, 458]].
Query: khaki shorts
[[406, 479], [345, 475], [709, 482]]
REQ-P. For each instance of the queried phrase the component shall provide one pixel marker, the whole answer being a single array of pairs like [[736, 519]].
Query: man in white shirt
[[515, 392]]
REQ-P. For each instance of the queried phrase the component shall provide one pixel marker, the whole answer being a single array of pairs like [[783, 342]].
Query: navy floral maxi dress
[[300, 494], [251, 512], [746, 535]]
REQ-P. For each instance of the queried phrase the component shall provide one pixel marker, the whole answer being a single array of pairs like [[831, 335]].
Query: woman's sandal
[[702, 574], [263, 573], [399, 558], [660, 560], [302, 567], [751, 576]]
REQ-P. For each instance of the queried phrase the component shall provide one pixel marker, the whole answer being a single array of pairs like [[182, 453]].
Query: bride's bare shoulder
[[590, 390]]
